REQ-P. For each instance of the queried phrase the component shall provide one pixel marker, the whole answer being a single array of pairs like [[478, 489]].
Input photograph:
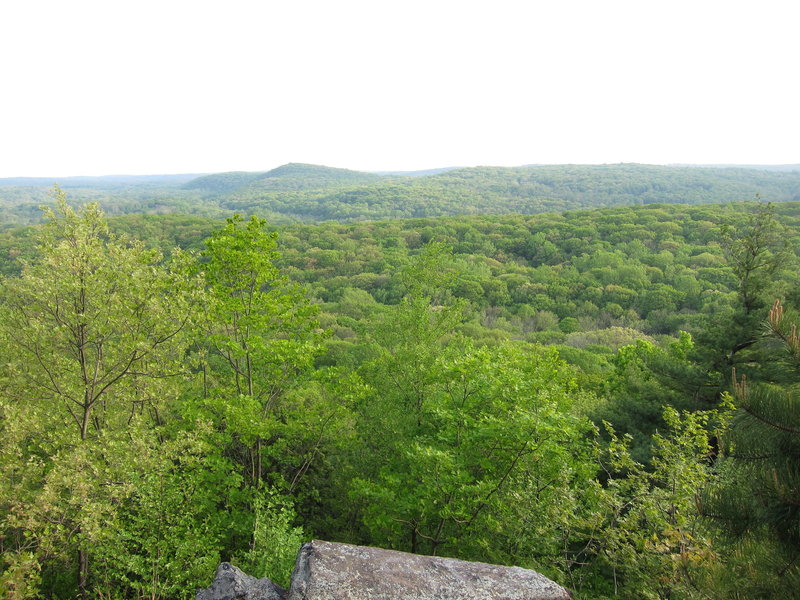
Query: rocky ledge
[[331, 571]]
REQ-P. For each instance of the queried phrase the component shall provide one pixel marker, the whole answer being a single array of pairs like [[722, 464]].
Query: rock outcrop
[[231, 583], [331, 571]]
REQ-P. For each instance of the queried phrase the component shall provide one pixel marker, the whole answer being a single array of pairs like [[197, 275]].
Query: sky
[[170, 86]]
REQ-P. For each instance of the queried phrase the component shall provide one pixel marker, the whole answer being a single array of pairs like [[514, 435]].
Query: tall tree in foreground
[[758, 498], [259, 340], [261, 333], [92, 341]]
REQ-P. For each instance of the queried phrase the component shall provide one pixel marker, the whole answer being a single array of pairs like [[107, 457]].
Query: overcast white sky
[[170, 86]]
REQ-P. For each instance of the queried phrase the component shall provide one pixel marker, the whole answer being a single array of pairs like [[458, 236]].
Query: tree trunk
[[83, 573]]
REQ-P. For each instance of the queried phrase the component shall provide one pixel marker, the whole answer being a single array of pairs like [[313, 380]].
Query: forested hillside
[[310, 193], [526, 190], [607, 396]]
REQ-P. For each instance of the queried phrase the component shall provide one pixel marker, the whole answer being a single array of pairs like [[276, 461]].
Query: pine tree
[[758, 498]]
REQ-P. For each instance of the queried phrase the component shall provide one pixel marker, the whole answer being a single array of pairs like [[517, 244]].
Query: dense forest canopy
[[607, 395]]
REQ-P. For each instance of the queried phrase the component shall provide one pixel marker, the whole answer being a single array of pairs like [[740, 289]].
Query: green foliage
[[120, 483], [754, 250], [612, 338], [665, 282], [758, 494], [428, 421], [569, 325], [20, 577], [95, 323], [261, 323], [93, 336], [653, 541], [645, 378], [493, 190], [260, 334], [449, 433], [178, 509], [493, 424], [275, 541]]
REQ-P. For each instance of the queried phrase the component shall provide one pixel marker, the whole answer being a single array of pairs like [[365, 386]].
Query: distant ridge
[[222, 182], [299, 192], [795, 167], [291, 176], [100, 181], [422, 173], [313, 193]]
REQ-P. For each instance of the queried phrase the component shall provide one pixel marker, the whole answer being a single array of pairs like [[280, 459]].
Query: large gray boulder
[[329, 571], [231, 583]]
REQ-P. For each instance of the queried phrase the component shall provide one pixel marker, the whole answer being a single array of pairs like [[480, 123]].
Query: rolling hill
[[298, 192]]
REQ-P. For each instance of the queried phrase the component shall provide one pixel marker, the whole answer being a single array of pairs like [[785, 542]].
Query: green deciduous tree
[[261, 333], [493, 428], [93, 338], [96, 324], [653, 541], [273, 417]]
